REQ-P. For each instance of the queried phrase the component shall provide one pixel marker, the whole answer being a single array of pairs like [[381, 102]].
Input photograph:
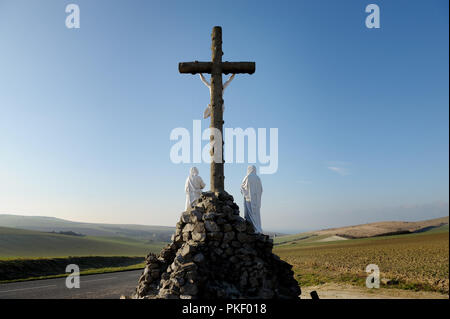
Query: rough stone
[[196, 216], [228, 236], [185, 218], [189, 289], [215, 254], [186, 250], [188, 228], [199, 258], [200, 237], [199, 228], [240, 226], [242, 237], [211, 226]]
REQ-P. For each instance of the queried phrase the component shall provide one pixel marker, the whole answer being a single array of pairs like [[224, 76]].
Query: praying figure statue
[[252, 190], [193, 187], [207, 112]]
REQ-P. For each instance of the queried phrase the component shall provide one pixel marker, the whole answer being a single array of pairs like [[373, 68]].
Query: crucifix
[[216, 67]]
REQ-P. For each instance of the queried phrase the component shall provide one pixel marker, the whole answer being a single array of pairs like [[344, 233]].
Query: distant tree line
[[69, 233]]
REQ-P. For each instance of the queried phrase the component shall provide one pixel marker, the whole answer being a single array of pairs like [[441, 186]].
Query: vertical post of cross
[[217, 171], [216, 67]]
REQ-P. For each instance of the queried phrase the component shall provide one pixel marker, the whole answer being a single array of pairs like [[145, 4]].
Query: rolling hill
[[365, 231], [49, 224], [19, 243]]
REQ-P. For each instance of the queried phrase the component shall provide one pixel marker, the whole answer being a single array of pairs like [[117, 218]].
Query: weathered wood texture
[[217, 173], [227, 67], [216, 68]]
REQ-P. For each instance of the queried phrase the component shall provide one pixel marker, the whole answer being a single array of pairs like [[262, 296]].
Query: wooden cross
[[216, 67]]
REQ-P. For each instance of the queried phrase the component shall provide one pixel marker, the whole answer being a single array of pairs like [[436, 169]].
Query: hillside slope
[[384, 228], [18, 243], [48, 224], [366, 230]]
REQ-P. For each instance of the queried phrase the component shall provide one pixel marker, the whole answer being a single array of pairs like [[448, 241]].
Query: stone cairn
[[216, 254]]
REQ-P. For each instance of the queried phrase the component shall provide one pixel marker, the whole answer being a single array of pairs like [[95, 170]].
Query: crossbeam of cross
[[216, 68]]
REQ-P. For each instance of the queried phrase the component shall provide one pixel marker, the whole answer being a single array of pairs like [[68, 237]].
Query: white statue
[[252, 190], [207, 112], [193, 187]]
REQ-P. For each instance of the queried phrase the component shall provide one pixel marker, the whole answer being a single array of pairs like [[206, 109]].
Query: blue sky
[[86, 114]]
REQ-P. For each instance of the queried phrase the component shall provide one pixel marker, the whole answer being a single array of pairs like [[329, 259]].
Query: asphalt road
[[103, 286]]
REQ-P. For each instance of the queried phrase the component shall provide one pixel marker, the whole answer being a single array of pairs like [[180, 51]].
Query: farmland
[[414, 261], [18, 243], [26, 254], [49, 224]]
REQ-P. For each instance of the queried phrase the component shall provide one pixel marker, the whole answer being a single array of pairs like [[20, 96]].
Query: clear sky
[[363, 114]]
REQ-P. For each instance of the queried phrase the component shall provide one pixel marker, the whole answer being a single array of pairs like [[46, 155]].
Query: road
[[103, 286], [113, 285]]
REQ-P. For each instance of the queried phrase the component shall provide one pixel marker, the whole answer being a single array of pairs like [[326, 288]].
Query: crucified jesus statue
[[216, 68], [207, 112]]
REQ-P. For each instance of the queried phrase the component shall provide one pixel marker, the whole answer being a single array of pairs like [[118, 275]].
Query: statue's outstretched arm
[[204, 81], [228, 82]]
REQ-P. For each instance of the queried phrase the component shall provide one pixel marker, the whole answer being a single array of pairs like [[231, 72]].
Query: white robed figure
[[252, 190], [193, 187], [207, 112]]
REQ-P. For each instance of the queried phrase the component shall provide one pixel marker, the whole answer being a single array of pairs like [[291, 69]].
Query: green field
[[18, 243], [438, 229], [414, 261], [49, 224]]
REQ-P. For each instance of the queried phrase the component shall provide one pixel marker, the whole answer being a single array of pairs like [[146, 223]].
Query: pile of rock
[[216, 254]]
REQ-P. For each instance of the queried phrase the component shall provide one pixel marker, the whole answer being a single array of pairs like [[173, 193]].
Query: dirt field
[[347, 291], [384, 228], [388, 228], [418, 262]]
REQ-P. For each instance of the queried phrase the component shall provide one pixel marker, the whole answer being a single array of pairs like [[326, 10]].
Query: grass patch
[[18, 243]]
